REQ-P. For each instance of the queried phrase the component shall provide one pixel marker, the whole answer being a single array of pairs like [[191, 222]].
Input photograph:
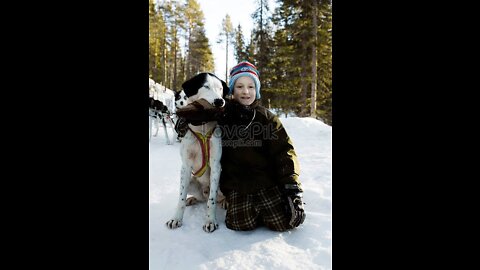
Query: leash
[[204, 141]]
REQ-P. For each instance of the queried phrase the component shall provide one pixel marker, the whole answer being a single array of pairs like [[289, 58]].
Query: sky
[[240, 13], [307, 247]]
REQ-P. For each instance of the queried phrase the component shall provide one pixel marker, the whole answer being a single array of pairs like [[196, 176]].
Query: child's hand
[[295, 205]]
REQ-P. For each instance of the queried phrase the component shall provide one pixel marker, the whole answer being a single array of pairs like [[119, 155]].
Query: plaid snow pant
[[247, 211]]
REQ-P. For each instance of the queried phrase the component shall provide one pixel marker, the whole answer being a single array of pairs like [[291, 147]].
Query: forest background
[[291, 45]]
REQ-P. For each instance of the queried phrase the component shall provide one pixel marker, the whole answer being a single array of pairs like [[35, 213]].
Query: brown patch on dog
[[206, 192], [191, 201], [192, 155]]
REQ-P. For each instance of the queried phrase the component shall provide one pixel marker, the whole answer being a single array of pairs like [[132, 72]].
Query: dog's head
[[206, 86], [180, 99], [156, 105]]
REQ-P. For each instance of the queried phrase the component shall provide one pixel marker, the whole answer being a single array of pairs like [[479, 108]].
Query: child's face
[[244, 90]]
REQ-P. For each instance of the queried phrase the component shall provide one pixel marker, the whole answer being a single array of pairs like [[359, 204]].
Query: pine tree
[[202, 57], [239, 44], [287, 68], [313, 103], [324, 97], [177, 26], [262, 46], [250, 50], [170, 25], [157, 30], [195, 19], [164, 61], [301, 58], [151, 39], [226, 35]]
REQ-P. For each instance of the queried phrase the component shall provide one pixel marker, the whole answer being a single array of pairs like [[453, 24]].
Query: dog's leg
[[215, 169], [165, 129], [157, 124], [172, 125], [176, 221], [194, 189], [211, 224], [149, 128]]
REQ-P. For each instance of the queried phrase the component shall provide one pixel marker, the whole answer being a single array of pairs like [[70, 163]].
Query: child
[[259, 166], [260, 170]]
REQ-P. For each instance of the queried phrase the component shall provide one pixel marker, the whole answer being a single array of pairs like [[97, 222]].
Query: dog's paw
[[173, 223], [210, 226]]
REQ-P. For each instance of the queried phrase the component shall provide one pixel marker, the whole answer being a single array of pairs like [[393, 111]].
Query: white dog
[[180, 99], [200, 152], [162, 108]]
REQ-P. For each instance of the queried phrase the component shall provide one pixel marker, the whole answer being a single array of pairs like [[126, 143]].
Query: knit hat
[[244, 69]]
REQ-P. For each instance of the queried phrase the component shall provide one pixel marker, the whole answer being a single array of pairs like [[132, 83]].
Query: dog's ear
[[177, 95], [191, 86], [225, 89], [224, 85]]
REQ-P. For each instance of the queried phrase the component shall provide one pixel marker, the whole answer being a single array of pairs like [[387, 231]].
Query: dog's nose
[[219, 102]]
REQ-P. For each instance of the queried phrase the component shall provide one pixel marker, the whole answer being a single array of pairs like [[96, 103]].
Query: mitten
[[199, 111], [294, 204]]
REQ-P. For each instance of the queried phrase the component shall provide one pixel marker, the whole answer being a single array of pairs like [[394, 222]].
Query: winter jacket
[[256, 150]]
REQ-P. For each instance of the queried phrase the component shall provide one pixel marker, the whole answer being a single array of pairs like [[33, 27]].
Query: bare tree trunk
[[163, 69], [185, 59], [303, 75], [261, 26], [188, 65], [226, 57], [175, 59], [313, 107], [164, 66]]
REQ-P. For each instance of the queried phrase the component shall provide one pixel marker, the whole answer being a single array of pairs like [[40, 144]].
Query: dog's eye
[[206, 86]]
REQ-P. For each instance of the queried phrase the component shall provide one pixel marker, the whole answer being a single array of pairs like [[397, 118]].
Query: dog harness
[[204, 141]]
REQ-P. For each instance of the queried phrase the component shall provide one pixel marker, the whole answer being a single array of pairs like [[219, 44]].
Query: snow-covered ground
[[189, 247]]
